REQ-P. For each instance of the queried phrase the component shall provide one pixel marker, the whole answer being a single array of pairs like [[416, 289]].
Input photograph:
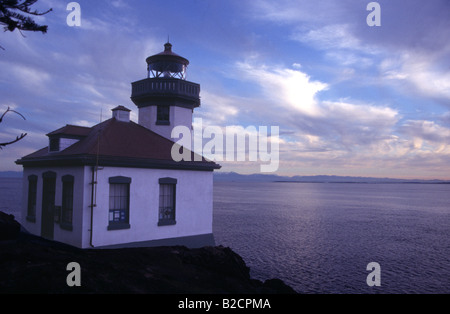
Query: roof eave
[[112, 161]]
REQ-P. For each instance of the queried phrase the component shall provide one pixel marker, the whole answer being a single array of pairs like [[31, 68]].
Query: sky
[[348, 98]]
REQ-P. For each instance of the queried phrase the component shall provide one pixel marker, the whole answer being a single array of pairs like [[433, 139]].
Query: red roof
[[115, 142], [71, 130]]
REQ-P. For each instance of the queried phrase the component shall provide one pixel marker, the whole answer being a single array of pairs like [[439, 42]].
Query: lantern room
[[167, 64]]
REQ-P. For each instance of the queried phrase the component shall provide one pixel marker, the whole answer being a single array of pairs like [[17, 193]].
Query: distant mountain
[[236, 177], [10, 174]]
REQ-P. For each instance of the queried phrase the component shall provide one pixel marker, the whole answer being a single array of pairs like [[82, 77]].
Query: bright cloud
[[286, 87]]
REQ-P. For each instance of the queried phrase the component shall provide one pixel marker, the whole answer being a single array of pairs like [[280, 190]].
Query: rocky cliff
[[30, 264]]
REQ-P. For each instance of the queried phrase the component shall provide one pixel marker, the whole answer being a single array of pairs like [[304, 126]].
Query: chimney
[[121, 113]]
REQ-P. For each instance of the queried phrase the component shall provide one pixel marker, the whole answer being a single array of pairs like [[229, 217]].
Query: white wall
[[66, 142], [194, 206], [178, 116], [71, 237]]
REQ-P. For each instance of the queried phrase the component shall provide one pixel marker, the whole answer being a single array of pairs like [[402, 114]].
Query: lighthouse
[[165, 99], [116, 184]]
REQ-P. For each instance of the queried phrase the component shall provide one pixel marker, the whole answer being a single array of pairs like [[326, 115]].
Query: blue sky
[[349, 99]]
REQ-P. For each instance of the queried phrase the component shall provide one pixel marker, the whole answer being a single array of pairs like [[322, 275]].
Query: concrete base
[[190, 242]]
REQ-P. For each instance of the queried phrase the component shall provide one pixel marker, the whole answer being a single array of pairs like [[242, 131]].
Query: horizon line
[[3, 172]]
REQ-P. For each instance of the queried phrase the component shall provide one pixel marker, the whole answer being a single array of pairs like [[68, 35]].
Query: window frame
[[173, 184], [54, 144], [125, 224], [164, 115]]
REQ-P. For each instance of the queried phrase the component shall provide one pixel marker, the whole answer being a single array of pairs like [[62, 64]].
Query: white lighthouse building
[[115, 184]]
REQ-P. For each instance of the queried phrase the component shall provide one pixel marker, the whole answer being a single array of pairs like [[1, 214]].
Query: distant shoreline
[[356, 182], [236, 177], [11, 174]]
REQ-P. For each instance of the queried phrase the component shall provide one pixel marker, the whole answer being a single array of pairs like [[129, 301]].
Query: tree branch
[[18, 138], [10, 110]]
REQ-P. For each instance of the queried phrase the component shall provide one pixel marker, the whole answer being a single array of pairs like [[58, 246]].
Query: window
[[119, 203], [163, 115], [32, 192], [167, 197], [67, 202], [54, 144]]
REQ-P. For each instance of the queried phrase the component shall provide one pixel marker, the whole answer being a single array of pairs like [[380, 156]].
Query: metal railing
[[165, 86]]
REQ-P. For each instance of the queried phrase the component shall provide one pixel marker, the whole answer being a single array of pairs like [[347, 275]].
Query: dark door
[[48, 204]]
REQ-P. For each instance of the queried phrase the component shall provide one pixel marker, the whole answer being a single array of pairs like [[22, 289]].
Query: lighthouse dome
[[167, 64]]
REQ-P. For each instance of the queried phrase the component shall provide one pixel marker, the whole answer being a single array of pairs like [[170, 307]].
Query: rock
[[9, 227], [30, 264]]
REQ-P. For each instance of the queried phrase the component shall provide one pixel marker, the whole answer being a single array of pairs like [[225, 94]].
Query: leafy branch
[[13, 15]]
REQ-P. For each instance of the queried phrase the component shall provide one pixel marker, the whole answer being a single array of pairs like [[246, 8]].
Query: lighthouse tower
[[165, 99]]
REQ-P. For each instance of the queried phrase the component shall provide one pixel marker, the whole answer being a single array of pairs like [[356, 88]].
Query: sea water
[[11, 196], [320, 237]]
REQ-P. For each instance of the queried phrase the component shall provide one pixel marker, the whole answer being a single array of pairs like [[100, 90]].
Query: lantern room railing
[[165, 86]]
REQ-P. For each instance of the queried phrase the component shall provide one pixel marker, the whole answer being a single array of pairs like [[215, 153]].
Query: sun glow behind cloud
[[289, 88]]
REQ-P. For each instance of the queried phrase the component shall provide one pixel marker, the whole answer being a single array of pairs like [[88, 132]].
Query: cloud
[[421, 72], [297, 94], [218, 109], [296, 11], [427, 134], [291, 89], [336, 36], [360, 124], [407, 57], [289, 99], [412, 39], [30, 78], [119, 4], [339, 136]]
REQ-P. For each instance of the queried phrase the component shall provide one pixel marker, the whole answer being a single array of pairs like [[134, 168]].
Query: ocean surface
[[320, 237], [11, 196]]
